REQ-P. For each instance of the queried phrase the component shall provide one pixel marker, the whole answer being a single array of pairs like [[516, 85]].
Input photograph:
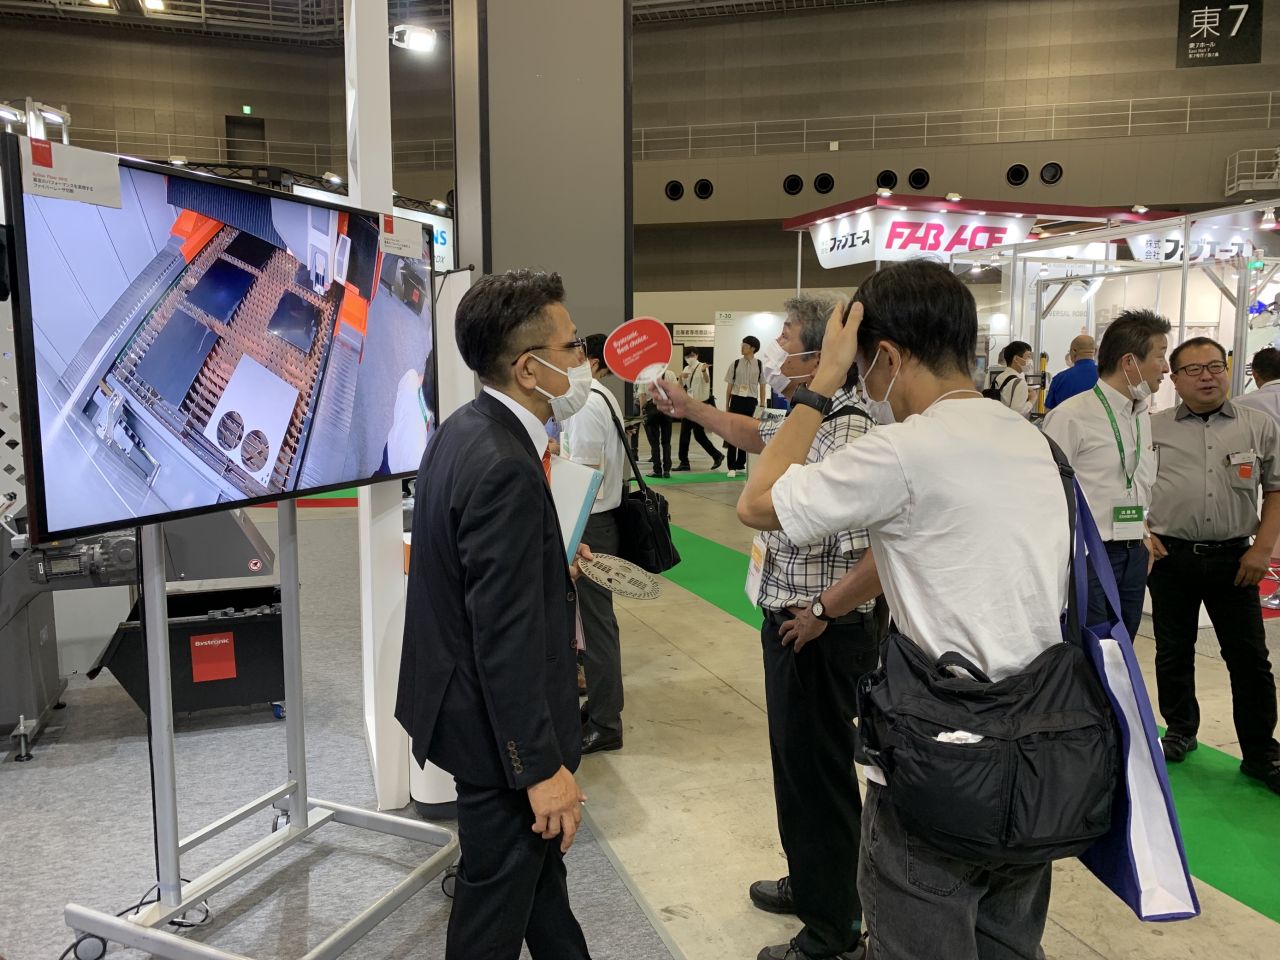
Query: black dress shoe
[[596, 742], [790, 951], [1267, 771], [775, 896], [716, 465], [656, 475], [1176, 747], [683, 468]]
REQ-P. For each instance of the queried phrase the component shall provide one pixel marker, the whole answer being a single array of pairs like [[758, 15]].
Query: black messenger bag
[[644, 520], [1022, 770]]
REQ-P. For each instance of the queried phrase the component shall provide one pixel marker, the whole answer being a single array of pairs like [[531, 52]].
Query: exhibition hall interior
[[486, 478]]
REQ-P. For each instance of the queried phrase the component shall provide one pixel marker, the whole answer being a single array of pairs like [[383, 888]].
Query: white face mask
[[879, 410], [567, 404], [772, 357], [1140, 390]]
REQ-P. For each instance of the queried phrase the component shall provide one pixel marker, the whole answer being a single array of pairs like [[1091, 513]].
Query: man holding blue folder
[[592, 439]]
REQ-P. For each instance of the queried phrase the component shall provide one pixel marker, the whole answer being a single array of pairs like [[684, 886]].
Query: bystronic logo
[[215, 642], [929, 237]]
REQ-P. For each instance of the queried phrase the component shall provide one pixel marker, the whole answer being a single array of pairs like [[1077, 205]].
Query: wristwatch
[[806, 397], [819, 609]]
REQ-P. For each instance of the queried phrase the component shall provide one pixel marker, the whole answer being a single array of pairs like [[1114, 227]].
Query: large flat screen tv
[[209, 345]]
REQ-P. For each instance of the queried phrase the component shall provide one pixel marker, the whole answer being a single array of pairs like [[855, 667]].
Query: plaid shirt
[[795, 575]]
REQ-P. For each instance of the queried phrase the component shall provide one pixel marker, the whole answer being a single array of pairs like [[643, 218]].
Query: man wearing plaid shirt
[[812, 662]]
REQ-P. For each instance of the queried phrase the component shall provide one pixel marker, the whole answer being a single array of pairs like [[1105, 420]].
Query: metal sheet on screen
[[1213, 33]]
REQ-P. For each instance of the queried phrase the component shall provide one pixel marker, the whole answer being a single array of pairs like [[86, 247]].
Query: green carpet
[[711, 476], [1230, 824]]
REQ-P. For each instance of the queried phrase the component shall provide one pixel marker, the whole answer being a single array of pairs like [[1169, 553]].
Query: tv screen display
[[209, 345]]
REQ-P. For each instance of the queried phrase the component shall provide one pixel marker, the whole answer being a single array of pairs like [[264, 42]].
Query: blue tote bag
[[1141, 860]]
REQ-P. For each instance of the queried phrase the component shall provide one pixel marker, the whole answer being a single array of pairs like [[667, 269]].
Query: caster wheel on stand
[[449, 881], [279, 822], [90, 947], [277, 710]]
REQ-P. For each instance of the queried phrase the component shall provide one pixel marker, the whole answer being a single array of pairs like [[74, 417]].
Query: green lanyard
[[1115, 428]]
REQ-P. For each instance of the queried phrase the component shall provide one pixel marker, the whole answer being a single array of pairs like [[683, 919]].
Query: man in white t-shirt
[[590, 437], [696, 380], [935, 492]]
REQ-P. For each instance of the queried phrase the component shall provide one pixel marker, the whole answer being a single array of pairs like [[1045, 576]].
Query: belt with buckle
[[1205, 547]]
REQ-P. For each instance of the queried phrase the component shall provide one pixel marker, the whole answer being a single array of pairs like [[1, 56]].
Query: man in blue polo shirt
[[1079, 377]]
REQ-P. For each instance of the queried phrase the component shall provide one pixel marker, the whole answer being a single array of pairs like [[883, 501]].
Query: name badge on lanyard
[[1128, 519], [755, 568]]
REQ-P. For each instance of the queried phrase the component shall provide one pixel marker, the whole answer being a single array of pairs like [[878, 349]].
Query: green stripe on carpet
[[1228, 821], [333, 495], [711, 476]]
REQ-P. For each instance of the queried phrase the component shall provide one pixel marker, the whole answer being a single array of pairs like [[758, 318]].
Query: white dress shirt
[[697, 380], [1266, 398], [1014, 392], [537, 429], [591, 438], [1080, 426], [964, 508]]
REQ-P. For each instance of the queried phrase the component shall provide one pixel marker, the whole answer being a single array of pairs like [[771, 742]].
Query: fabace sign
[[882, 234], [1213, 33], [1165, 248]]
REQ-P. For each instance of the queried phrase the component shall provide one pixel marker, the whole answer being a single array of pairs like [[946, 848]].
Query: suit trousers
[[810, 702], [1129, 564], [689, 429], [747, 407], [924, 905], [602, 654], [1179, 583], [657, 427], [511, 885]]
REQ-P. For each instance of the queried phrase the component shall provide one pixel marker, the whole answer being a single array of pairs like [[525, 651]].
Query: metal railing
[[316, 158], [1253, 170], [1053, 121]]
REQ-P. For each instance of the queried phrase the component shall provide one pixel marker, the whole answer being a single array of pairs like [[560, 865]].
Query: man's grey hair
[[811, 311]]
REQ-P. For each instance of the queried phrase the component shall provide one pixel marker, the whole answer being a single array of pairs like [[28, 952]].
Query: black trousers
[[511, 884], [1178, 584], [603, 653], [1129, 564], [747, 407], [689, 429], [810, 700], [657, 427]]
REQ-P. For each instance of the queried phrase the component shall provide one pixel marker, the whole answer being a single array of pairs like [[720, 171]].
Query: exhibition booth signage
[[881, 234]]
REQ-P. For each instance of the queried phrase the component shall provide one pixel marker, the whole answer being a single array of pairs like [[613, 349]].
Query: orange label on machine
[[213, 657]]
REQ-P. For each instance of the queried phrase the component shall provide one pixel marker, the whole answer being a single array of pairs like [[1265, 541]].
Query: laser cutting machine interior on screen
[[209, 344]]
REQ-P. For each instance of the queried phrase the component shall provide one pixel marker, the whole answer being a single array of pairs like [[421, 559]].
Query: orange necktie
[[546, 463]]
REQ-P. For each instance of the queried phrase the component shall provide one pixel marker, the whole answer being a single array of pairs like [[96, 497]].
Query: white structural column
[[382, 595]]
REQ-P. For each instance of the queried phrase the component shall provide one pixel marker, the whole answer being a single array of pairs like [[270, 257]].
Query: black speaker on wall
[[792, 184], [703, 189], [886, 180], [1051, 173], [1017, 175], [918, 178], [824, 183], [674, 190]]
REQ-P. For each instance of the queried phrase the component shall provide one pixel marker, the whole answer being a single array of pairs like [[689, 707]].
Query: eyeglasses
[[1195, 369], [579, 344]]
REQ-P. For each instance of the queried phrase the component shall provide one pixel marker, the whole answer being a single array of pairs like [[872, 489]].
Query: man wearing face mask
[[1214, 457], [1106, 434], [696, 381], [813, 659], [1009, 381], [487, 672], [591, 437], [934, 493]]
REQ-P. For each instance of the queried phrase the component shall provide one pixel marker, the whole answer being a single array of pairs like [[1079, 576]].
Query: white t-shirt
[[967, 521], [697, 380], [1014, 392], [589, 437]]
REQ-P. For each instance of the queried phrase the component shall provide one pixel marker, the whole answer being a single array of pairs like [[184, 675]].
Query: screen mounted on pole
[[207, 345]]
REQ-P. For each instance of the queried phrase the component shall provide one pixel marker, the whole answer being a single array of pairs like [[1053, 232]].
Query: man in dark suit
[[488, 686]]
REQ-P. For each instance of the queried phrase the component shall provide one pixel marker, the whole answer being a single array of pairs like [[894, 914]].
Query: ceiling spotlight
[[1139, 208], [439, 204], [10, 114], [101, 3], [954, 197], [54, 116], [903, 209], [178, 161], [417, 39], [1269, 219], [1018, 215], [1037, 229], [982, 213], [884, 192], [976, 268], [155, 6], [332, 177]]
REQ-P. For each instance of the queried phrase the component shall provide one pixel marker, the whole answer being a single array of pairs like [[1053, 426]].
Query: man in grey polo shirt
[[1212, 456]]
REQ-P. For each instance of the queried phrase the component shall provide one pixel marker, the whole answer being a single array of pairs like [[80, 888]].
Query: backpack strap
[[1068, 477], [848, 410]]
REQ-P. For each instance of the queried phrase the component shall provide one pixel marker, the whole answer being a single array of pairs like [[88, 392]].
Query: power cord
[[150, 897]]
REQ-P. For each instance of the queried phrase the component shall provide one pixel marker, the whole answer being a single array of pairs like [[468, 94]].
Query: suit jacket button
[[518, 767], [511, 744], [571, 597]]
